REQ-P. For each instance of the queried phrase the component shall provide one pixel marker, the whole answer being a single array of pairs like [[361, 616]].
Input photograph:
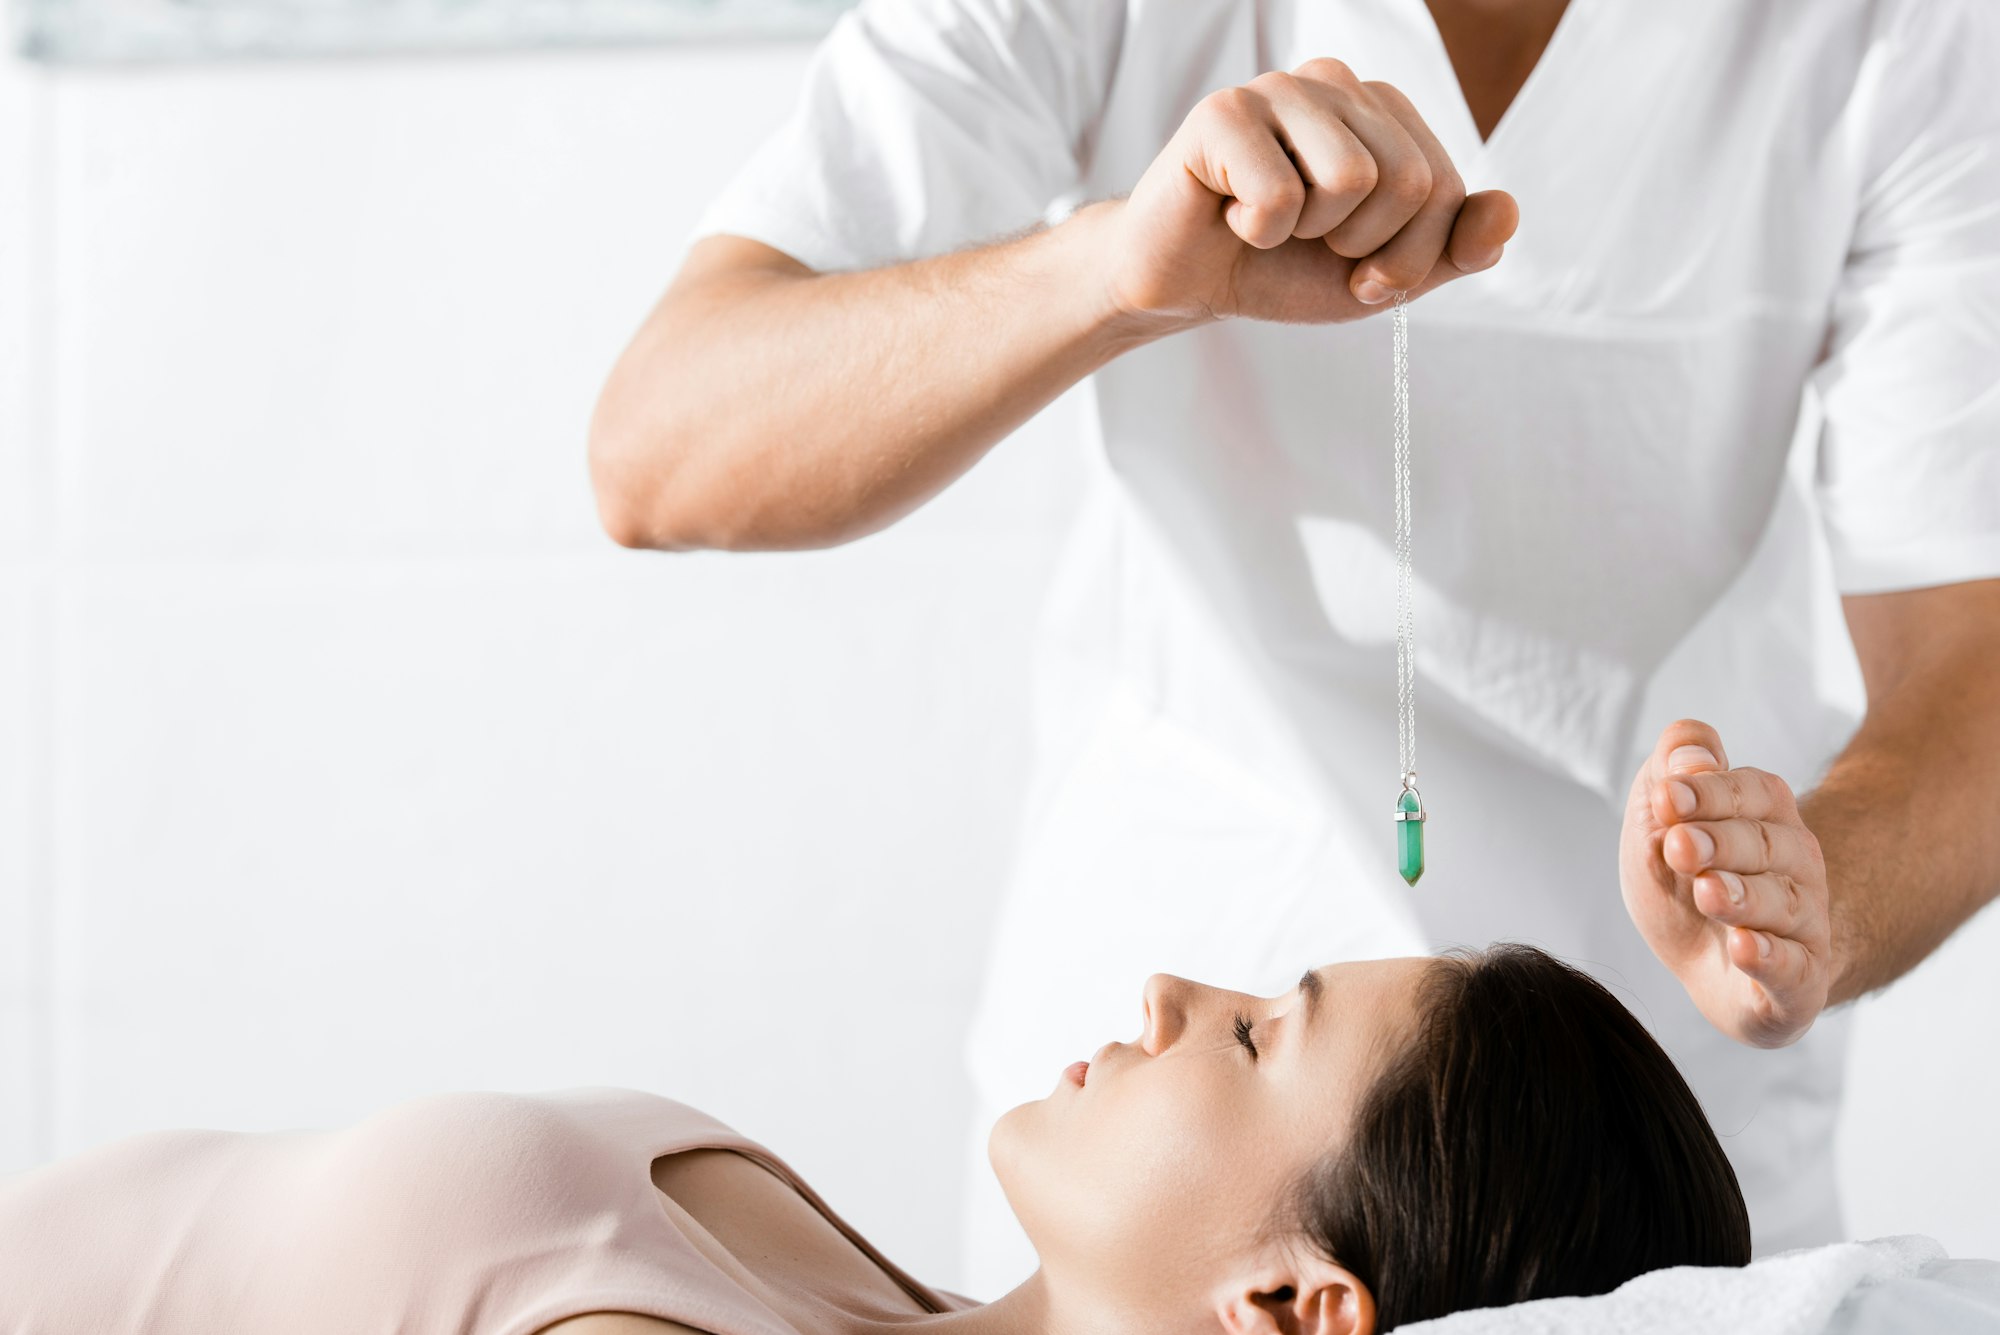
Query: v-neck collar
[[1455, 126]]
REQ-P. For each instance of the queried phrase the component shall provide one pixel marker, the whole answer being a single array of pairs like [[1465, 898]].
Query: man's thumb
[[1485, 223]]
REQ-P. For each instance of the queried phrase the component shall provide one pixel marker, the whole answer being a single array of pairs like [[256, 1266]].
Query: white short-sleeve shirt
[[1742, 357]]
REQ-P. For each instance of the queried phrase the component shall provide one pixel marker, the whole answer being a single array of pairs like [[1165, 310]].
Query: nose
[[1165, 1000]]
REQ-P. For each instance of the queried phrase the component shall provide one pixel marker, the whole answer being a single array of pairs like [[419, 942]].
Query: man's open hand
[[1726, 883]]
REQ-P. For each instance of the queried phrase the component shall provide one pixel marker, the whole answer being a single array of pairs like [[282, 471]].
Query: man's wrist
[[1838, 992], [1084, 240]]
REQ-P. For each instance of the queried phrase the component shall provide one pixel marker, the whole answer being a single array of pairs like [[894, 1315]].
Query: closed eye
[[1243, 1035]]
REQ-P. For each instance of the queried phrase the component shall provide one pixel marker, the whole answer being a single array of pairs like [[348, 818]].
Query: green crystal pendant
[[1410, 818]]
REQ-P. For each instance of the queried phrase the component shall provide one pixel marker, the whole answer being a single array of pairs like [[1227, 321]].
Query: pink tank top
[[491, 1213]]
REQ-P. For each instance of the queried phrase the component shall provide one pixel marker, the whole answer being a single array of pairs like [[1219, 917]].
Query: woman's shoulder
[[594, 1113], [453, 1159]]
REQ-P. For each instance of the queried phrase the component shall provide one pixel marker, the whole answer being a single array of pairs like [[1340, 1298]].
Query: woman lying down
[[1392, 1140]]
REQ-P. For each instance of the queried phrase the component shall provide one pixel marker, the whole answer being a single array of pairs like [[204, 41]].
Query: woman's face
[[1154, 1182]]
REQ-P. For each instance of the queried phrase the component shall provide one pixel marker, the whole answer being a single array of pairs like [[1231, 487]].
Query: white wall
[[341, 757], [344, 758]]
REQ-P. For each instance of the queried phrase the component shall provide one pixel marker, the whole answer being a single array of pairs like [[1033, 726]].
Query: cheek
[[1147, 1175]]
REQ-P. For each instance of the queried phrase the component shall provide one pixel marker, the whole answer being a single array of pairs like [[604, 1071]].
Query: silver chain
[[1406, 629]]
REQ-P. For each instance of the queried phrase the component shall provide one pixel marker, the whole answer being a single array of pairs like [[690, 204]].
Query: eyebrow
[[1310, 987]]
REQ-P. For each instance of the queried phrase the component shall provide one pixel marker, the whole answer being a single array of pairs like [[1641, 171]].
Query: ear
[[1306, 1296]]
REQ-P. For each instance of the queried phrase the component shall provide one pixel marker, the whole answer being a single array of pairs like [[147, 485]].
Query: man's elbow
[[655, 496], [632, 517], [630, 483], [625, 524]]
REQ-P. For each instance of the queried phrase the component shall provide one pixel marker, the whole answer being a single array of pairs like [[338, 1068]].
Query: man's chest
[[1672, 164]]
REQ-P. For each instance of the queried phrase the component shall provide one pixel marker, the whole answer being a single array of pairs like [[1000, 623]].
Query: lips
[[1075, 1071]]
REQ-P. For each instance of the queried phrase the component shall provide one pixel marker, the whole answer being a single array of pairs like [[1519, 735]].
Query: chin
[[1003, 1142], [1012, 1148]]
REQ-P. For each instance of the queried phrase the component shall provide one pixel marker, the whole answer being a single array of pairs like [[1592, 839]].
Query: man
[[1709, 463]]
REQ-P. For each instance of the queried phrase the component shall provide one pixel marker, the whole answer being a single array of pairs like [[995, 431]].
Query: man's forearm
[[782, 409], [1908, 819]]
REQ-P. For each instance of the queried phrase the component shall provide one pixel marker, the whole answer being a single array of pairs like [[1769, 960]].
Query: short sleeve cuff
[[777, 228], [1917, 564]]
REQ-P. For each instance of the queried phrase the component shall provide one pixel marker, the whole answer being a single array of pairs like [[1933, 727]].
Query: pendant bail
[[1410, 802]]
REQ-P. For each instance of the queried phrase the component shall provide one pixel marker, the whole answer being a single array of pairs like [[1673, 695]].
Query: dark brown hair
[[1532, 1142]]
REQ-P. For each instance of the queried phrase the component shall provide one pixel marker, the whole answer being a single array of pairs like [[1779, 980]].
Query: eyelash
[[1243, 1035]]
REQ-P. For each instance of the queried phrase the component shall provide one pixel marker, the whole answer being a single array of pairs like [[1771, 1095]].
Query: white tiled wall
[[341, 757]]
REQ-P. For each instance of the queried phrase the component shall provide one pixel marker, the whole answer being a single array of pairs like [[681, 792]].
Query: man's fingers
[[1399, 208], [1339, 174], [1236, 155], [1326, 91], [1485, 222], [1768, 901], [1678, 746], [1406, 178], [1408, 257], [1705, 794], [1780, 964], [1337, 168], [1782, 996], [1742, 845]]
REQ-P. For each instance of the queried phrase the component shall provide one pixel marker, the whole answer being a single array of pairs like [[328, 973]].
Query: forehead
[[1366, 1003], [1366, 1013], [1360, 981]]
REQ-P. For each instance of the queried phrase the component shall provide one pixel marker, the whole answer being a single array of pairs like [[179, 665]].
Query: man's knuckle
[[1286, 193], [1235, 103], [1275, 81], [1328, 69], [1410, 184], [1732, 784], [1355, 174]]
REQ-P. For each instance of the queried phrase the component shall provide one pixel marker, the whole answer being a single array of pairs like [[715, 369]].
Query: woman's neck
[[1027, 1309]]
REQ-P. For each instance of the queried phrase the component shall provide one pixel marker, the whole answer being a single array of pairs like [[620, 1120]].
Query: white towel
[[1786, 1293]]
